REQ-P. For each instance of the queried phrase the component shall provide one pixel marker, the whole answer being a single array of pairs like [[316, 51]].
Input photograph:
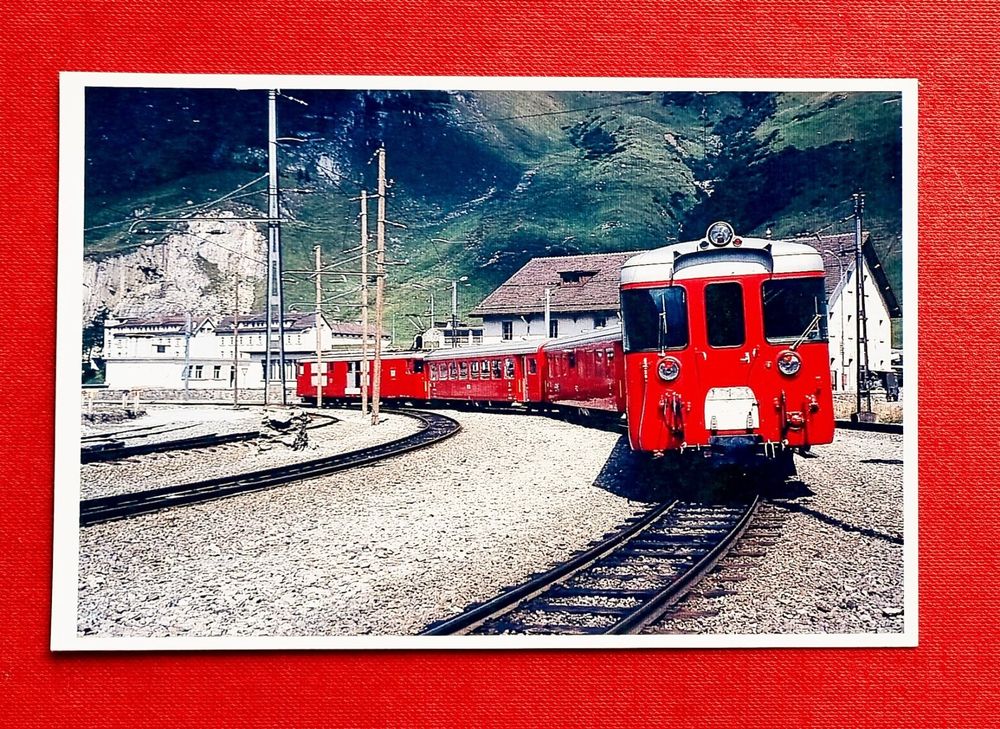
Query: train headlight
[[789, 363], [720, 234], [668, 369]]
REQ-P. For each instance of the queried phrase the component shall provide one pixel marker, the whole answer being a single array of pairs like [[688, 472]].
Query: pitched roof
[[838, 259], [577, 283], [167, 323], [294, 321]]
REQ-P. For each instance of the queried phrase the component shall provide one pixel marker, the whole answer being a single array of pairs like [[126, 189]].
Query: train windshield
[[654, 319], [794, 309]]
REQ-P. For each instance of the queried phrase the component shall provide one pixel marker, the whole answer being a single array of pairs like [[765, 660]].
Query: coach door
[[726, 361], [353, 384]]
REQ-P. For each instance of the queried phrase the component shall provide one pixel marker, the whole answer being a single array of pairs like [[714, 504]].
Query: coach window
[[484, 369], [532, 366], [433, 371], [496, 369], [724, 314], [452, 371], [794, 308], [474, 368], [655, 319], [508, 368], [463, 370]]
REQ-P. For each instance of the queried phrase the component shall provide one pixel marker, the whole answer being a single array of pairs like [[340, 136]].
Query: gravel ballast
[[834, 563]]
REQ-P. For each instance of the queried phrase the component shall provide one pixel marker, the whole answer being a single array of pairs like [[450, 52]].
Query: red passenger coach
[[586, 371], [402, 378], [498, 373], [725, 344]]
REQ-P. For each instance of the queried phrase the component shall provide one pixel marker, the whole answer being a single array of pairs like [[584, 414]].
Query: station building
[[150, 352], [582, 295]]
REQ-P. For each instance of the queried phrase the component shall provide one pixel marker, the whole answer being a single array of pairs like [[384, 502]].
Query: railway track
[[620, 585], [95, 511], [117, 450]]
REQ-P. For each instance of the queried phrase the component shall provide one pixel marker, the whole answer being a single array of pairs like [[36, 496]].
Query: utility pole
[[548, 313], [275, 326], [379, 283], [862, 321], [187, 352], [319, 335], [236, 339], [454, 314], [364, 302]]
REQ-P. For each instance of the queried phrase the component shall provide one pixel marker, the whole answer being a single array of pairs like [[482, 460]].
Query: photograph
[[468, 362]]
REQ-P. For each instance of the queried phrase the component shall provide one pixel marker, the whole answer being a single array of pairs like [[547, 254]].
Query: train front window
[[724, 314], [795, 308], [655, 319]]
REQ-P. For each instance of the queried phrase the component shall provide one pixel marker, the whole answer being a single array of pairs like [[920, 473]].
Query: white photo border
[[68, 393]]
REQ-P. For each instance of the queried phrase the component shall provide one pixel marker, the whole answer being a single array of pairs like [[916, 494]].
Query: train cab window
[[724, 314], [508, 368], [484, 369], [571, 359], [655, 319], [452, 371], [463, 370], [794, 308], [418, 365], [474, 368], [532, 366], [496, 369], [610, 353]]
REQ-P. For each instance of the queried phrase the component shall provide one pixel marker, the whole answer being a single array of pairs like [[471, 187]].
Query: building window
[[217, 372], [554, 328], [600, 321], [161, 348], [197, 372], [506, 330]]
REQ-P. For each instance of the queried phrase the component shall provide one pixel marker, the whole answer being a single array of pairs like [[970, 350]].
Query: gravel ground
[[164, 469], [834, 560], [390, 548], [379, 550]]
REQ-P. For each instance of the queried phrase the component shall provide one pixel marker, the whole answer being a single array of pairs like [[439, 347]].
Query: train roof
[[523, 346], [356, 355], [699, 258], [608, 333]]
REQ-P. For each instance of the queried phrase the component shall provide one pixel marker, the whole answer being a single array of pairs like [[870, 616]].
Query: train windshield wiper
[[802, 337], [661, 333]]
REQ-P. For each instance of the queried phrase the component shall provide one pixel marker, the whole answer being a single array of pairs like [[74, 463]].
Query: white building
[[582, 295], [443, 335], [881, 307], [151, 352]]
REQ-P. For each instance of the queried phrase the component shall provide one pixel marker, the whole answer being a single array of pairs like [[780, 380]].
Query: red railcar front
[[726, 348]]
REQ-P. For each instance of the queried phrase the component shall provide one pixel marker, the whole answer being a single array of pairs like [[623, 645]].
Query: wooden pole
[[379, 284], [364, 302], [319, 337]]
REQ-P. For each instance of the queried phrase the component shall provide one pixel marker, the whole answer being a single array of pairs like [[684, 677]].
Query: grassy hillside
[[483, 181]]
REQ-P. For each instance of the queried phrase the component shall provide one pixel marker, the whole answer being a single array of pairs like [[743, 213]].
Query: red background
[[951, 679]]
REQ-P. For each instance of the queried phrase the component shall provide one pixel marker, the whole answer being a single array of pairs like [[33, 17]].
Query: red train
[[722, 356]]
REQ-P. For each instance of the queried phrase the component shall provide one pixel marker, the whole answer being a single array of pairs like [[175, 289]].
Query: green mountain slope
[[483, 181]]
